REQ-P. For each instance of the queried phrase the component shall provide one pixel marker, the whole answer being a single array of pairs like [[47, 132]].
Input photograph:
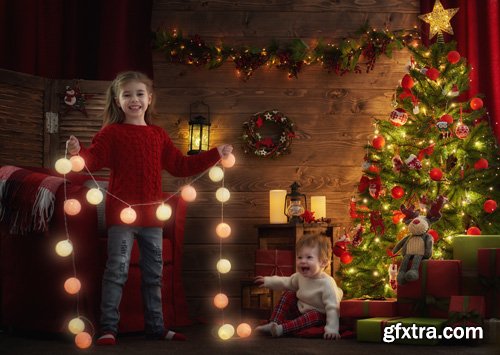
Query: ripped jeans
[[120, 242]]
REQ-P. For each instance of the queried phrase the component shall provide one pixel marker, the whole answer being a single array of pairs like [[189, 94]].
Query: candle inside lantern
[[318, 206], [276, 206]]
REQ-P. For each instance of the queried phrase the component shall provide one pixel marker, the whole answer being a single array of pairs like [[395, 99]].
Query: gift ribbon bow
[[276, 267], [365, 182]]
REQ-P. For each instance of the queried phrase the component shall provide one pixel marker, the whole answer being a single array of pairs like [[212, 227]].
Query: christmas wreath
[[278, 139]]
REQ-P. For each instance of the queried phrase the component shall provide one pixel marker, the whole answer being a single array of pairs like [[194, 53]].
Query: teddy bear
[[418, 245]]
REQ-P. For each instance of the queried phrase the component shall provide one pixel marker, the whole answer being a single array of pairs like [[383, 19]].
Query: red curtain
[[75, 39], [476, 28]]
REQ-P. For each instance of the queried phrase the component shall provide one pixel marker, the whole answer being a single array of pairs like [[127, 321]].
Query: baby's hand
[[73, 145], [259, 281], [331, 336], [225, 150]]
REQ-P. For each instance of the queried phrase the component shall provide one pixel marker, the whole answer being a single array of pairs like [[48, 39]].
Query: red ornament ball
[[397, 216], [434, 235], [407, 82], [378, 142], [346, 258], [490, 206], [476, 103], [481, 164], [374, 169], [453, 57], [462, 131], [436, 174], [446, 118], [432, 73], [398, 117], [397, 192], [473, 231], [339, 249]]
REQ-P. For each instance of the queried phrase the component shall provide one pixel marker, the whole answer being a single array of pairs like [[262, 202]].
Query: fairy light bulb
[[222, 194], [223, 266], [72, 207], [72, 285], [228, 161], [63, 166], [244, 330], [76, 326], [216, 174], [128, 215], [163, 212], [221, 301], [83, 340], [77, 163], [94, 196], [188, 193], [223, 230], [64, 248], [226, 331]]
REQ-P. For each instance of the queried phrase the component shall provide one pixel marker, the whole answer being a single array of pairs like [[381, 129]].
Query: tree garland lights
[[339, 58], [64, 248]]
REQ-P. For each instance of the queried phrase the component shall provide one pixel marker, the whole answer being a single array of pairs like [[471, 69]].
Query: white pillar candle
[[276, 206], [318, 206]]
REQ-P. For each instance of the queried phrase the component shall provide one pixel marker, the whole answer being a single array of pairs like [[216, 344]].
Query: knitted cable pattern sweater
[[136, 156]]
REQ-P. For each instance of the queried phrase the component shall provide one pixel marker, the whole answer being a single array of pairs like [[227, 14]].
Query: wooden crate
[[257, 302]]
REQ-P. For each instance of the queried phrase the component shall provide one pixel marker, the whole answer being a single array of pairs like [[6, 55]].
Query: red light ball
[[490, 206], [473, 231], [407, 82], [476, 103], [432, 73], [397, 192], [346, 258], [481, 164], [436, 174], [446, 118], [453, 57], [434, 235], [378, 142]]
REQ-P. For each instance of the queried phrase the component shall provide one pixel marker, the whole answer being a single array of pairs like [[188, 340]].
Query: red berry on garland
[[476, 103], [481, 164], [407, 82], [453, 57], [490, 206], [473, 231], [434, 235], [432, 73], [378, 142], [446, 118], [462, 130], [346, 258], [397, 192], [436, 174]]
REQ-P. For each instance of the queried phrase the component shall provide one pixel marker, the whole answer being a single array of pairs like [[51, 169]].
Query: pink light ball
[[228, 161], [128, 215], [72, 207], [188, 193], [83, 340], [244, 330], [223, 230], [72, 285], [77, 163], [221, 301]]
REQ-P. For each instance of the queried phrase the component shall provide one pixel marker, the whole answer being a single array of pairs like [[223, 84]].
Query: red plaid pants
[[288, 315]]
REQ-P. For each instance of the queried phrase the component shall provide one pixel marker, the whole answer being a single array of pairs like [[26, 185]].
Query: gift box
[[429, 296], [257, 302], [465, 248], [274, 262], [466, 310], [367, 308], [385, 329], [488, 269]]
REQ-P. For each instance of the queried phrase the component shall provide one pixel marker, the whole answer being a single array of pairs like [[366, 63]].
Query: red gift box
[[466, 310], [488, 269], [274, 262], [429, 296], [367, 308]]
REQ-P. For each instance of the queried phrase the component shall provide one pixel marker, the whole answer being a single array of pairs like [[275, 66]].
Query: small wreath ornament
[[268, 134]]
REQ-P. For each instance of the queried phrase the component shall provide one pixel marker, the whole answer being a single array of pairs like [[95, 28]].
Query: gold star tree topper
[[439, 19]]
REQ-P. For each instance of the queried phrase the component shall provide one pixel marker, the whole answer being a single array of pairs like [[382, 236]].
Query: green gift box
[[465, 248], [385, 329]]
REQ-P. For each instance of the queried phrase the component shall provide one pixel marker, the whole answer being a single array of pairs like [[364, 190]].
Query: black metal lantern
[[199, 128], [295, 204]]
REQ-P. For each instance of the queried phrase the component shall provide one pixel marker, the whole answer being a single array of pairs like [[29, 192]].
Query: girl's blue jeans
[[120, 242]]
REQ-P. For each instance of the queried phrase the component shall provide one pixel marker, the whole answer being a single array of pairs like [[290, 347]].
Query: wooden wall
[[333, 115]]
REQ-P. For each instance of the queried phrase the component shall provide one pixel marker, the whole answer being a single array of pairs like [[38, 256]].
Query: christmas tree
[[436, 146]]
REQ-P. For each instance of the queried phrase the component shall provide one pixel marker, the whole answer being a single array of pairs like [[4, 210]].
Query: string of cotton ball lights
[[64, 248]]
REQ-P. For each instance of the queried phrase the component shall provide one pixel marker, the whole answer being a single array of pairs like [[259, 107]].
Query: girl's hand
[[259, 281], [331, 336], [73, 145], [225, 150]]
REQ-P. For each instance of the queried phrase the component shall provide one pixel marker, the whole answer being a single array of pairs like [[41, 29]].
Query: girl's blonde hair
[[112, 111], [322, 241]]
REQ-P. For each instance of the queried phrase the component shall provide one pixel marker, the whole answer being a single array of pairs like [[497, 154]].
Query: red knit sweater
[[136, 155]]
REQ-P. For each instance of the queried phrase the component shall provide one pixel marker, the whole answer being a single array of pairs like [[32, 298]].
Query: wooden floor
[[202, 340]]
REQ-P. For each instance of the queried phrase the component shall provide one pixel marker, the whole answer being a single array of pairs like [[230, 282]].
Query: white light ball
[[76, 326], [64, 248], [216, 174], [128, 215], [77, 163], [72, 207], [228, 162], [226, 331], [244, 330], [222, 194], [223, 230], [94, 196], [223, 266], [163, 212], [63, 166], [221, 301], [188, 193]]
